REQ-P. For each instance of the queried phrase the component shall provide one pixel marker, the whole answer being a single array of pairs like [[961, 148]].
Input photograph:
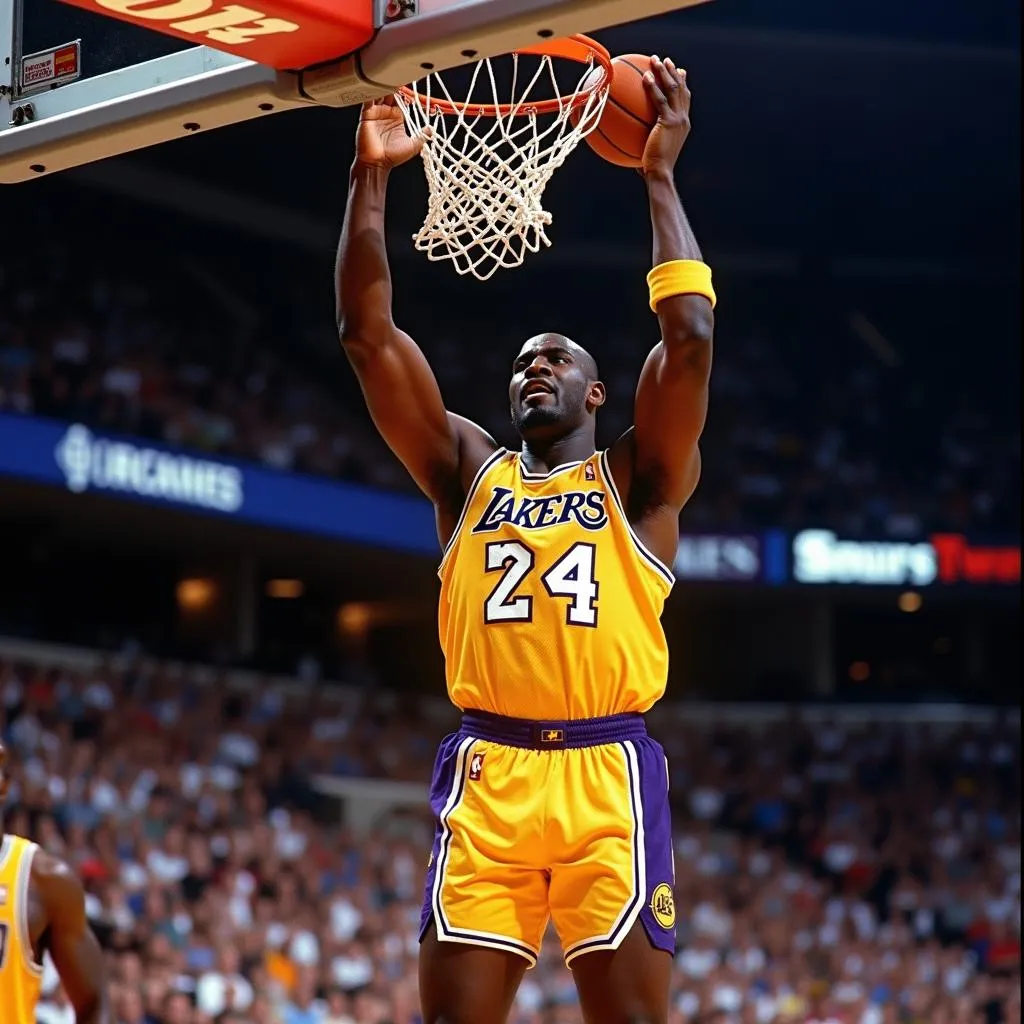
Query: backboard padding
[[287, 35], [107, 44], [126, 100]]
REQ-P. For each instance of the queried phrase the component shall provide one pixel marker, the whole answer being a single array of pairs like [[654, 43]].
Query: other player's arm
[[672, 396], [399, 386], [72, 945]]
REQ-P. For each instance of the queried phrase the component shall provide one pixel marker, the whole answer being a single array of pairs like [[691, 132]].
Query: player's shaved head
[[566, 389], [550, 339]]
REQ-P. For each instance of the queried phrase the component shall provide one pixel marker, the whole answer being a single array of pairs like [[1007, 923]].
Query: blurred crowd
[[842, 440], [825, 873]]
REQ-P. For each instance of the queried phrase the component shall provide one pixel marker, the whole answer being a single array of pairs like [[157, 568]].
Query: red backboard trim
[[284, 34]]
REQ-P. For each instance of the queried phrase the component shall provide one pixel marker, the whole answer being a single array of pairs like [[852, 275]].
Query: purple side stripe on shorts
[[440, 790], [658, 913]]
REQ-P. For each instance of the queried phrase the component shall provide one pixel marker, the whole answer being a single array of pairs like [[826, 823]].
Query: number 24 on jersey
[[572, 577]]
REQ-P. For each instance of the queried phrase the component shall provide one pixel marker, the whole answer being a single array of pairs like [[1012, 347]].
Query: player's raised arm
[[398, 383], [672, 396], [73, 947]]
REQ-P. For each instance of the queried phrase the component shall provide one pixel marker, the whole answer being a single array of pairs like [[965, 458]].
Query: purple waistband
[[554, 735]]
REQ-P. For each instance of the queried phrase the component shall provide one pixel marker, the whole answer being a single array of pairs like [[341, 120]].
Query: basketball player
[[42, 909], [551, 800]]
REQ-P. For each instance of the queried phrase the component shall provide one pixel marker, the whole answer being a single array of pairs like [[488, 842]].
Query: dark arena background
[[220, 681]]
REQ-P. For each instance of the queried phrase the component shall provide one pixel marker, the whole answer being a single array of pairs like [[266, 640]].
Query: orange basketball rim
[[579, 48]]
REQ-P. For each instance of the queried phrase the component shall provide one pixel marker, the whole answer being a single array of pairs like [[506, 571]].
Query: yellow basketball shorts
[[550, 820]]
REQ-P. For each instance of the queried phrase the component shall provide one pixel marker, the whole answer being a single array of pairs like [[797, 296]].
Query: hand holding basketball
[[381, 140], [647, 117], [665, 84]]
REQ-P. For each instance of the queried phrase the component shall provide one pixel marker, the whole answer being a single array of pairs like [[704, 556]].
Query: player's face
[[550, 387]]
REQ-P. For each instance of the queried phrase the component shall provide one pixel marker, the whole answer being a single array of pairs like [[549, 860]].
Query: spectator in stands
[[865, 448], [874, 878]]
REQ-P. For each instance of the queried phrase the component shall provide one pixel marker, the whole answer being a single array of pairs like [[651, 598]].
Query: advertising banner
[[720, 558], [943, 559], [80, 460]]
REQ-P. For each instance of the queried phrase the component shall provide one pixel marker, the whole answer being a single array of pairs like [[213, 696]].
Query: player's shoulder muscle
[[56, 886], [653, 517], [476, 446], [642, 493]]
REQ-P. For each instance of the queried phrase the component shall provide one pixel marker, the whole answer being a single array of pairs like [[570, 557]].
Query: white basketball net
[[487, 174]]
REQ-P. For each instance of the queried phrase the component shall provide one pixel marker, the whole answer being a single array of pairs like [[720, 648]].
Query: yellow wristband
[[680, 277]]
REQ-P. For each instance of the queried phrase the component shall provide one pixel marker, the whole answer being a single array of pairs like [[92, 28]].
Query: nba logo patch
[[476, 767], [3, 895], [663, 906], [588, 471]]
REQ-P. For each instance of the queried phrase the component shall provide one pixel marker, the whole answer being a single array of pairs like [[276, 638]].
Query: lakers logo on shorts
[[663, 905]]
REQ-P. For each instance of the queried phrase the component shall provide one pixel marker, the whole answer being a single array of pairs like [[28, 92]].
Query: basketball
[[628, 116]]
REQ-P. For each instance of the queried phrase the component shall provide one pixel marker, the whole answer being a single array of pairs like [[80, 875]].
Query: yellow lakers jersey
[[550, 605], [20, 976]]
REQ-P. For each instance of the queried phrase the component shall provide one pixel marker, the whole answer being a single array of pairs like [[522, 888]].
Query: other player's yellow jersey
[[550, 605], [20, 976]]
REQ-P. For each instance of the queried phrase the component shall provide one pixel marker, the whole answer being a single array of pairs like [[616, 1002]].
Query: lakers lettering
[[585, 508], [228, 24]]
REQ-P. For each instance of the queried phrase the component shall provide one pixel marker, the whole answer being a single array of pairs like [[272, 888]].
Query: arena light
[[285, 589], [354, 619], [195, 595], [860, 671], [909, 601]]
